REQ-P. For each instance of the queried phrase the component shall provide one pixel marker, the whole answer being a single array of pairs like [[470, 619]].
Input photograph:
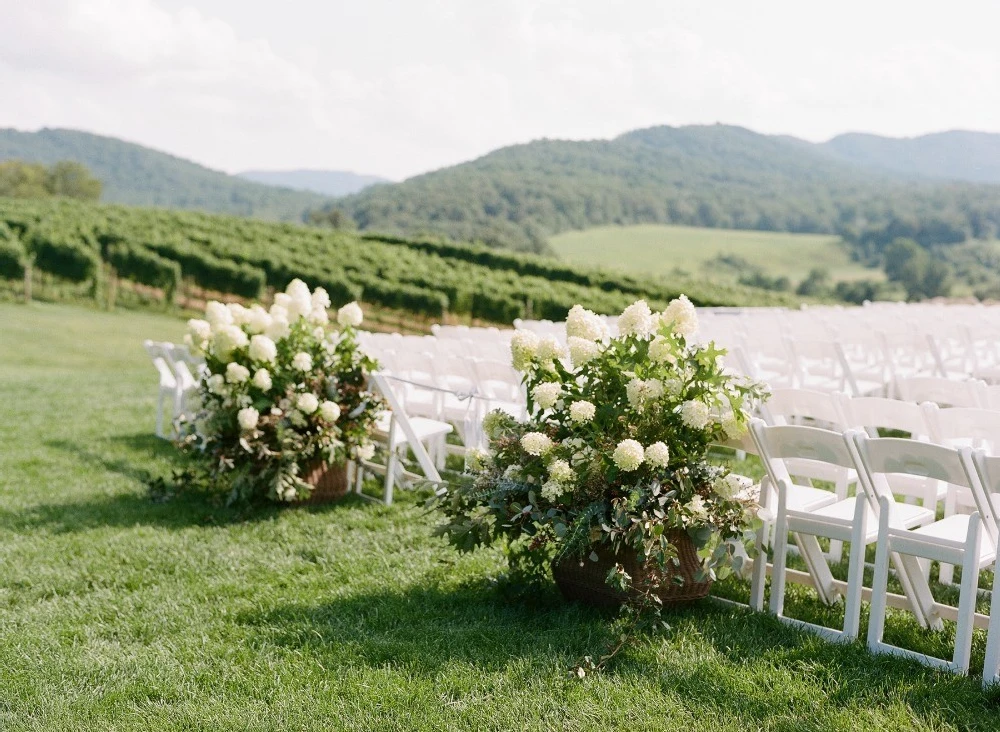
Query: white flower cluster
[[546, 394], [681, 316], [582, 351], [535, 443], [585, 324], [582, 411], [330, 411], [262, 349], [695, 414], [732, 486], [247, 418], [640, 392], [658, 455], [523, 348], [637, 319], [628, 455]]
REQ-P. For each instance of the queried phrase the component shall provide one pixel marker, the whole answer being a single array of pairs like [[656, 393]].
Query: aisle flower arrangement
[[612, 461], [284, 394]]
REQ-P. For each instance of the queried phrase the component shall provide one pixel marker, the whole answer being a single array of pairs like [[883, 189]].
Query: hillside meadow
[[121, 612], [655, 249]]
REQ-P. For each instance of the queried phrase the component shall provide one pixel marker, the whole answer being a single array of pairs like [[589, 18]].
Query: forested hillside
[[325, 182], [957, 155], [137, 175], [715, 176], [81, 242]]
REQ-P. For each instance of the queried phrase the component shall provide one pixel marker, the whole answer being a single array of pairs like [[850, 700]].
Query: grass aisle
[[120, 613]]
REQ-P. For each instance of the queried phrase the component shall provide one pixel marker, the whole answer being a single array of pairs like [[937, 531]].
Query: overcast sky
[[398, 87]]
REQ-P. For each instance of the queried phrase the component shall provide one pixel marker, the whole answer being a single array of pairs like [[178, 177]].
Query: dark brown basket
[[329, 482], [586, 581]]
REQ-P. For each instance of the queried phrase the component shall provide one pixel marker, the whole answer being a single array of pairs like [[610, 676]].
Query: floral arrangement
[[281, 392], [614, 451]]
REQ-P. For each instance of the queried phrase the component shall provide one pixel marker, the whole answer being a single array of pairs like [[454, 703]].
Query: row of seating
[[907, 536]]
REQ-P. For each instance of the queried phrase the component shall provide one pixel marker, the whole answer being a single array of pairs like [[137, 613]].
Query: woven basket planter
[[585, 581], [329, 482]]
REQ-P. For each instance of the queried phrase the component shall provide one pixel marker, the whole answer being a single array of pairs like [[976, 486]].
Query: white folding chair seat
[[957, 539]]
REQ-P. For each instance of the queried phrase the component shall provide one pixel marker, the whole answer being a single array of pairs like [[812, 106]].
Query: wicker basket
[[329, 482], [586, 581]]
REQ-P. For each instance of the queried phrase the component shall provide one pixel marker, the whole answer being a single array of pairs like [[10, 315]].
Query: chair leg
[[856, 570], [159, 415], [967, 599], [991, 666], [759, 576], [880, 582], [780, 545], [390, 464], [946, 572]]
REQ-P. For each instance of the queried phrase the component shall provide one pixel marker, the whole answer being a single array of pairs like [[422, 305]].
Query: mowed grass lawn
[[658, 250], [119, 613]]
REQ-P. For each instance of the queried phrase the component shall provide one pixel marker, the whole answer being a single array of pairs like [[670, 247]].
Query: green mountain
[[954, 155], [325, 182], [137, 175], [714, 176]]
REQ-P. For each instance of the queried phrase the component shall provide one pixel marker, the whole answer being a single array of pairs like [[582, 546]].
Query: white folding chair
[[168, 383], [988, 472], [943, 392], [962, 427], [397, 430], [958, 539]]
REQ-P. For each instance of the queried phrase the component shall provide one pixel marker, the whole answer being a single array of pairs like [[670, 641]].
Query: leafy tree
[[816, 284], [73, 180], [912, 266], [19, 179]]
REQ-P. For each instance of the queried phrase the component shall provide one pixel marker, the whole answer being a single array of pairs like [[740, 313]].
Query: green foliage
[[242, 256], [816, 284], [913, 267], [137, 263], [19, 179], [712, 176], [64, 252], [139, 176], [12, 254]]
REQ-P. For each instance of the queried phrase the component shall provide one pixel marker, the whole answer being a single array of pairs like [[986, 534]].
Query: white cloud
[[397, 88]]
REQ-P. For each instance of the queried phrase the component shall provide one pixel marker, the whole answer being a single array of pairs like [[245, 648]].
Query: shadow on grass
[[744, 664], [139, 508]]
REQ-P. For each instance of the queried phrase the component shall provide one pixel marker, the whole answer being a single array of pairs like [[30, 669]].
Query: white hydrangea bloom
[[583, 323], [582, 411], [262, 379], [227, 339], [217, 384], [549, 349], [262, 348], [237, 374], [640, 392], [302, 361], [733, 427], [695, 414], [320, 299], [279, 327], [637, 319], [732, 486], [299, 303], [628, 456], [319, 316], [307, 403], [535, 443], [494, 420], [552, 490], [365, 452], [247, 418], [350, 315], [279, 308], [673, 387], [697, 509], [200, 330], [330, 411], [476, 460], [681, 316], [582, 350], [290, 494], [561, 472], [318, 332], [218, 314], [658, 455], [241, 315], [661, 350], [546, 395], [523, 348]]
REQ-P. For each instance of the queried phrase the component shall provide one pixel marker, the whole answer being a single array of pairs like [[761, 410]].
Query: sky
[[400, 87]]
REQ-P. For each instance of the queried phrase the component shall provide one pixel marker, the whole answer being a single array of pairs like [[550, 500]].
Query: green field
[[659, 250], [120, 612]]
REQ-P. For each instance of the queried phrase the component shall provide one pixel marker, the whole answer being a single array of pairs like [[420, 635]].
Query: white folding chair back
[[167, 390], [988, 472], [943, 392]]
